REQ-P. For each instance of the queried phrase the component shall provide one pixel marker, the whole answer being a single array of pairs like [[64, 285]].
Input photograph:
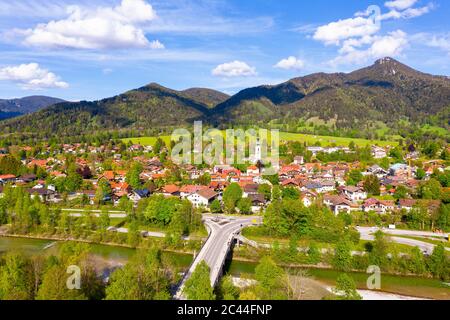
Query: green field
[[286, 136]]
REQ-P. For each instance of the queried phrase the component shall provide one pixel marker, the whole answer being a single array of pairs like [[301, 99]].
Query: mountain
[[15, 107], [387, 91], [208, 97], [147, 107]]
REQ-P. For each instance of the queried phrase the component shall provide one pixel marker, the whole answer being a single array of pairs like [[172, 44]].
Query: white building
[[202, 198], [355, 193]]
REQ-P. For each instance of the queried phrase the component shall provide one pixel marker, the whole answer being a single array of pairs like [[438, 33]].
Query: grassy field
[[286, 136]]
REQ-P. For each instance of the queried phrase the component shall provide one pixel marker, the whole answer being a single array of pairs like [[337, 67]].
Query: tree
[[378, 254], [372, 185], [15, 278], [215, 206], [417, 262], [401, 192], [290, 193], [420, 174], [346, 288], [205, 179], [54, 286], [354, 176], [133, 176], [231, 195], [314, 255], [103, 190], [430, 189], [73, 181], [105, 221], [144, 277], [133, 235], [245, 205], [159, 144], [273, 179], [271, 280], [438, 263], [266, 191], [443, 221], [160, 209], [227, 290], [342, 259], [276, 193], [10, 165], [198, 286]]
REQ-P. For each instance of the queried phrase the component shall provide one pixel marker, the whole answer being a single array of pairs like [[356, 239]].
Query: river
[[412, 286]]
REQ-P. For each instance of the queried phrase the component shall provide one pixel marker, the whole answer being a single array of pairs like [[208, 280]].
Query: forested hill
[[387, 91]]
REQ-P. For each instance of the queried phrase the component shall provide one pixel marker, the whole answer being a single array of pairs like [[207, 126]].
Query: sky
[[88, 50]]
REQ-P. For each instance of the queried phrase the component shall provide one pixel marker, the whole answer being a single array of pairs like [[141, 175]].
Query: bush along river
[[115, 256]]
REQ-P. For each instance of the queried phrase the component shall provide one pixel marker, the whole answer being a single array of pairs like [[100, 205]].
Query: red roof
[[171, 188], [7, 176]]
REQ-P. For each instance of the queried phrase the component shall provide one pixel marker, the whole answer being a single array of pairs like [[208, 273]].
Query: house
[[308, 198], [378, 153], [202, 198], [250, 189], [378, 206], [327, 186], [137, 195], [354, 193], [171, 190], [398, 169], [187, 190], [290, 183], [338, 204], [26, 178], [43, 194], [406, 204], [258, 202], [319, 187], [377, 171], [252, 170], [299, 160], [5, 178]]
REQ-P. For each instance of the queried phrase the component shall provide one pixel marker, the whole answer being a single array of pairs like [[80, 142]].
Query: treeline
[[145, 277]]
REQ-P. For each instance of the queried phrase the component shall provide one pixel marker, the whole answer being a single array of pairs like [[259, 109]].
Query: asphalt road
[[222, 231], [367, 233]]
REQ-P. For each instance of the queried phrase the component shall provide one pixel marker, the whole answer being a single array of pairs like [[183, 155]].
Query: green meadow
[[286, 136]]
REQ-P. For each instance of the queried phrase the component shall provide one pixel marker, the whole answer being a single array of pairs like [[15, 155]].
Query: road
[[222, 231], [367, 233]]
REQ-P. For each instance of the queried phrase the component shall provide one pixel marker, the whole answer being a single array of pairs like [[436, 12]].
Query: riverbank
[[112, 256]]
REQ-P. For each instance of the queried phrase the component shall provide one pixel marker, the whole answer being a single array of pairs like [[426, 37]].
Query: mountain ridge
[[387, 91]]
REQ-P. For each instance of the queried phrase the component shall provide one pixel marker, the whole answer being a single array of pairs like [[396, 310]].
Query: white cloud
[[291, 63], [100, 28], [234, 69], [360, 39], [32, 76], [408, 13], [400, 4], [335, 32], [441, 42], [376, 47]]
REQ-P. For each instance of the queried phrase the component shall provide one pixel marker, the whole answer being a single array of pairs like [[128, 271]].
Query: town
[[74, 173]]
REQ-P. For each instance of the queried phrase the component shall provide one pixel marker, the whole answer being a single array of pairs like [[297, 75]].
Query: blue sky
[[86, 50]]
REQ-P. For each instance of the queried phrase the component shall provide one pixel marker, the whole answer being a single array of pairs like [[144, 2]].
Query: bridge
[[222, 232]]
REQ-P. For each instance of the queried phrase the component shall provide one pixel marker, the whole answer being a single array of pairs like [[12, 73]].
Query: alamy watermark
[[374, 281], [74, 280], [229, 147]]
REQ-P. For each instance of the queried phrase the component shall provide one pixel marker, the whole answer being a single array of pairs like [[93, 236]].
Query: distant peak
[[386, 60]]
